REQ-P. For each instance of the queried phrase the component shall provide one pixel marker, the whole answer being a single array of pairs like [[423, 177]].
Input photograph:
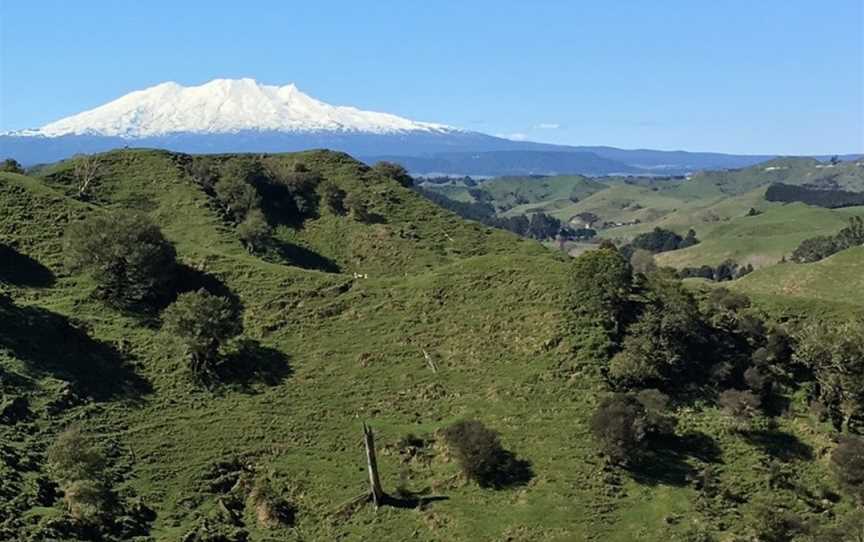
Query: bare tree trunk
[[374, 482], [86, 170], [430, 361]]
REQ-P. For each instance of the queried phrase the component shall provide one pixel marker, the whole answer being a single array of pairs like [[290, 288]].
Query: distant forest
[[831, 199]]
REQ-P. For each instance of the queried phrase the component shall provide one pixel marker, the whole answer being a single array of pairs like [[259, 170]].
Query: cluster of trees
[[650, 333], [831, 199], [135, 268], [661, 240], [257, 194], [657, 342], [833, 354], [727, 270], [819, 248]]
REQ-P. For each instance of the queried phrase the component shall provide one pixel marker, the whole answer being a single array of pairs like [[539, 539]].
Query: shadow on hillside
[[189, 279], [22, 270], [253, 363], [411, 500], [666, 461], [50, 343], [782, 446], [302, 257], [511, 472]]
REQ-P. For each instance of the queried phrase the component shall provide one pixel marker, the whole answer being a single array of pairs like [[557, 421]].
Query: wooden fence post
[[372, 464]]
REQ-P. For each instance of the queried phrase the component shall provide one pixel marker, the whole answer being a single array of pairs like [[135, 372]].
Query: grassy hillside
[[836, 280], [759, 240], [323, 352]]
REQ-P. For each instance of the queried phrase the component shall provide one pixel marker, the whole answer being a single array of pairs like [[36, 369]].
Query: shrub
[[847, 460], [742, 406], [770, 520], [620, 426], [254, 232], [78, 466], [202, 323], [289, 190], [127, 255], [479, 453], [271, 510], [393, 171]]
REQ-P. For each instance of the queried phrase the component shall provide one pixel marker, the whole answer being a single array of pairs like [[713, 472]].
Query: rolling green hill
[[835, 280], [338, 323], [759, 240], [716, 204]]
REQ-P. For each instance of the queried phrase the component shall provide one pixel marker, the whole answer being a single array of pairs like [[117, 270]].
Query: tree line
[[831, 199], [820, 247]]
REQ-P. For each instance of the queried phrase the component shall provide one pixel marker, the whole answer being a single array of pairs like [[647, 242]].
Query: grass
[[760, 240], [325, 352], [836, 280]]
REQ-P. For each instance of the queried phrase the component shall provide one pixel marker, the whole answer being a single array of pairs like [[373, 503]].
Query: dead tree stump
[[376, 492]]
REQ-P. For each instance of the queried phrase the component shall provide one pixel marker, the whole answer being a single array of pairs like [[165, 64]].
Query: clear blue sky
[[766, 76]]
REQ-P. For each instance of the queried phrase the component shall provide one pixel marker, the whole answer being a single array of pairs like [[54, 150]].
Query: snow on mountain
[[226, 106]]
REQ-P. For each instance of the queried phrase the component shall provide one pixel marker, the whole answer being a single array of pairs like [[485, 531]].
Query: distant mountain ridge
[[226, 115]]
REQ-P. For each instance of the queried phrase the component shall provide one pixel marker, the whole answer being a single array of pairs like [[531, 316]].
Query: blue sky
[[767, 76]]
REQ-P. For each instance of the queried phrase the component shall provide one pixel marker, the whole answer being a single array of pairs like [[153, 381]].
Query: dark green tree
[[254, 231], [127, 255], [602, 286], [202, 323], [620, 426], [656, 350], [358, 206], [481, 456]]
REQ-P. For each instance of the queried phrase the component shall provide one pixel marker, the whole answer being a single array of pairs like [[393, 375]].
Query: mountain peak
[[226, 106]]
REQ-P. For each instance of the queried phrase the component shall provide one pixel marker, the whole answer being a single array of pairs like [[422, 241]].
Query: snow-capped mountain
[[242, 115], [225, 106]]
